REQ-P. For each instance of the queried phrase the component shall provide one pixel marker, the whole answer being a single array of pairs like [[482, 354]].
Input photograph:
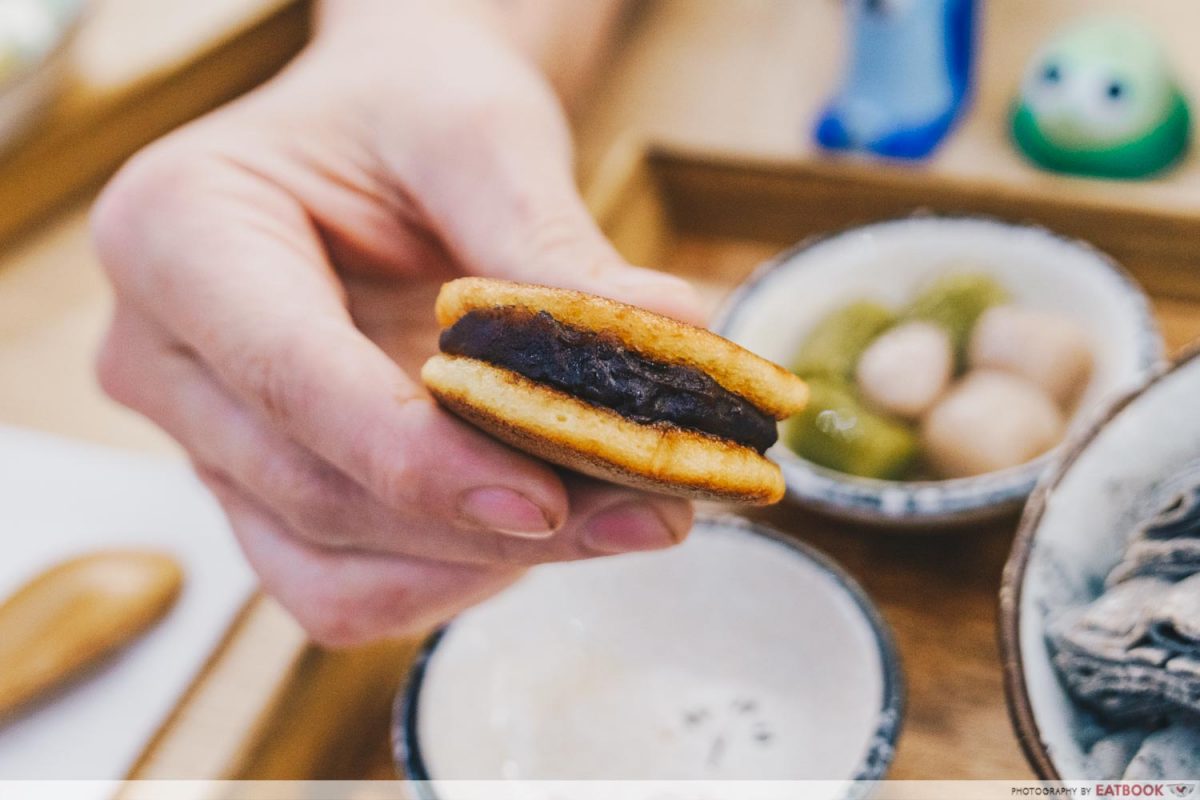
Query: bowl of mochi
[[947, 359]]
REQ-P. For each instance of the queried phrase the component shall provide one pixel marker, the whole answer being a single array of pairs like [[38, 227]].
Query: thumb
[[564, 247], [509, 209]]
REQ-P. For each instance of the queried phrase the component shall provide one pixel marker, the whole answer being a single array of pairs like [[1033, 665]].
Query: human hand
[[275, 265]]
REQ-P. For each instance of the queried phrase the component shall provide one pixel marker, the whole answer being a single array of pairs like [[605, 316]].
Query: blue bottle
[[907, 79]]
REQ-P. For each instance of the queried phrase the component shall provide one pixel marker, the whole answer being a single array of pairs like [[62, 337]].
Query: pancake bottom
[[595, 441]]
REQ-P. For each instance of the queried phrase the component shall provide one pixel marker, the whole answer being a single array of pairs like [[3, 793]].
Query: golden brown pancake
[[611, 390]]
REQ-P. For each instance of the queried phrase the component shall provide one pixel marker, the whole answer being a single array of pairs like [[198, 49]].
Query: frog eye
[[1112, 107], [1047, 85]]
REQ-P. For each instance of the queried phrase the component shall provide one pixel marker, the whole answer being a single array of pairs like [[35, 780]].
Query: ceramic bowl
[[1111, 476], [740, 654], [773, 312], [29, 88]]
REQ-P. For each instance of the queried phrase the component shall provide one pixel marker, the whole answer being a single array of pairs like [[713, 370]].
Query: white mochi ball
[[1051, 350], [989, 421], [906, 369]]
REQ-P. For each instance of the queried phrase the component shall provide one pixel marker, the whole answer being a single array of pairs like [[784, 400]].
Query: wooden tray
[[752, 78], [138, 69], [713, 218], [271, 706]]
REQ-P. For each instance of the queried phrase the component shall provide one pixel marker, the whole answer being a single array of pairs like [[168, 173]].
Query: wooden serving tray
[[269, 705], [713, 218], [752, 78], [138, 69]]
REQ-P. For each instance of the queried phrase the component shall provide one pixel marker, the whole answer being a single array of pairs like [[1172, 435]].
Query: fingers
[[326, 508], [544, 234], [304, 413], [616, 519], [344, 599], [565, 248], [508, 206], [258, 308]]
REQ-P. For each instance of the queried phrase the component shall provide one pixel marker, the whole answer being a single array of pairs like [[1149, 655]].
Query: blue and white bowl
[[1112, 476], [773, 312], [739, 655]]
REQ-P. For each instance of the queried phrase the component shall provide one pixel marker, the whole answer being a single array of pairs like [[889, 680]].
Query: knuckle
[[559, 239], [400, 484], [313, 493], [548, 233], [268, 377], [395, 474], [143, 190]]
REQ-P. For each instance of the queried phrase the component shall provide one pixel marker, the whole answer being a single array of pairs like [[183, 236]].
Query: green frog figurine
[[1100, 100]]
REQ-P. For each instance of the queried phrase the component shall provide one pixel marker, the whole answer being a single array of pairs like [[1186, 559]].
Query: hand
[[275, 266]]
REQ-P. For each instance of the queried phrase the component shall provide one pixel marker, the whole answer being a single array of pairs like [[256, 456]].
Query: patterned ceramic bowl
[[739, 655], [774, 310], [1112, 477]]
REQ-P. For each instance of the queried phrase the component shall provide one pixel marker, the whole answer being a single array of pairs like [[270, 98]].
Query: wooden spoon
[[70, 617]]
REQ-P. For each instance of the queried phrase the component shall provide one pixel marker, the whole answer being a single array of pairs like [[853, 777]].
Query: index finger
[[233, 268]]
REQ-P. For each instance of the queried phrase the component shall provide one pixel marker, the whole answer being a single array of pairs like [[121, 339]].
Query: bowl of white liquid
[[739, 655]]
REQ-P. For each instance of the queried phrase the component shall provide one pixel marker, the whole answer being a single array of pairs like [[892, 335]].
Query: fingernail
[[503, 510], [629, 527]]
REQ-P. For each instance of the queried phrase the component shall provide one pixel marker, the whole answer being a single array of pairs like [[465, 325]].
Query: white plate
[[60, 499]]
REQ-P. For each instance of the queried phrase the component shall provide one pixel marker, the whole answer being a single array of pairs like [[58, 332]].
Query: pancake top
[[768, 386]]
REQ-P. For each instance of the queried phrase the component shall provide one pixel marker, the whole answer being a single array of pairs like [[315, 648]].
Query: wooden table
[[735, 75], [712, 218]]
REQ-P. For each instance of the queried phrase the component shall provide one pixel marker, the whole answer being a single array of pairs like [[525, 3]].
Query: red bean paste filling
[[600, 370]]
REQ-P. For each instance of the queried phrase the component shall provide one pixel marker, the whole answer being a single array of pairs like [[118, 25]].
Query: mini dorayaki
[[611, 390]]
